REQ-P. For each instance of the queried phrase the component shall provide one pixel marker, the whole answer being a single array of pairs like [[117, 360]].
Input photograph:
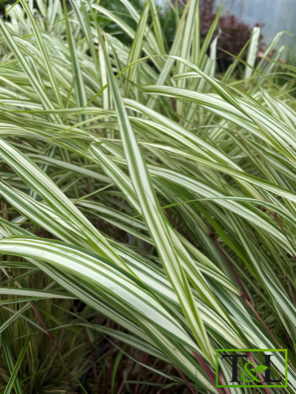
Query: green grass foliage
[[140, 186]]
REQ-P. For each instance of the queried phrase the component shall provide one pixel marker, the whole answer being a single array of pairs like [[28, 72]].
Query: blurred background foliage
[[233, 32]]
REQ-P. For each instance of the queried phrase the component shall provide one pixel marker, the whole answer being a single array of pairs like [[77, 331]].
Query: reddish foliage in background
[[234, 32]]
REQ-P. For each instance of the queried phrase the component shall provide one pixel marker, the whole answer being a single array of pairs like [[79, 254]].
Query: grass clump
[[144, 200]]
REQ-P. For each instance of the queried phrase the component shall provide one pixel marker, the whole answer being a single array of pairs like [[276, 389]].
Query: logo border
[[252, 350]]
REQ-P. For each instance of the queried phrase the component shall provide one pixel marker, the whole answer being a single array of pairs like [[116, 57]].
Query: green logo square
[[249, 377]]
